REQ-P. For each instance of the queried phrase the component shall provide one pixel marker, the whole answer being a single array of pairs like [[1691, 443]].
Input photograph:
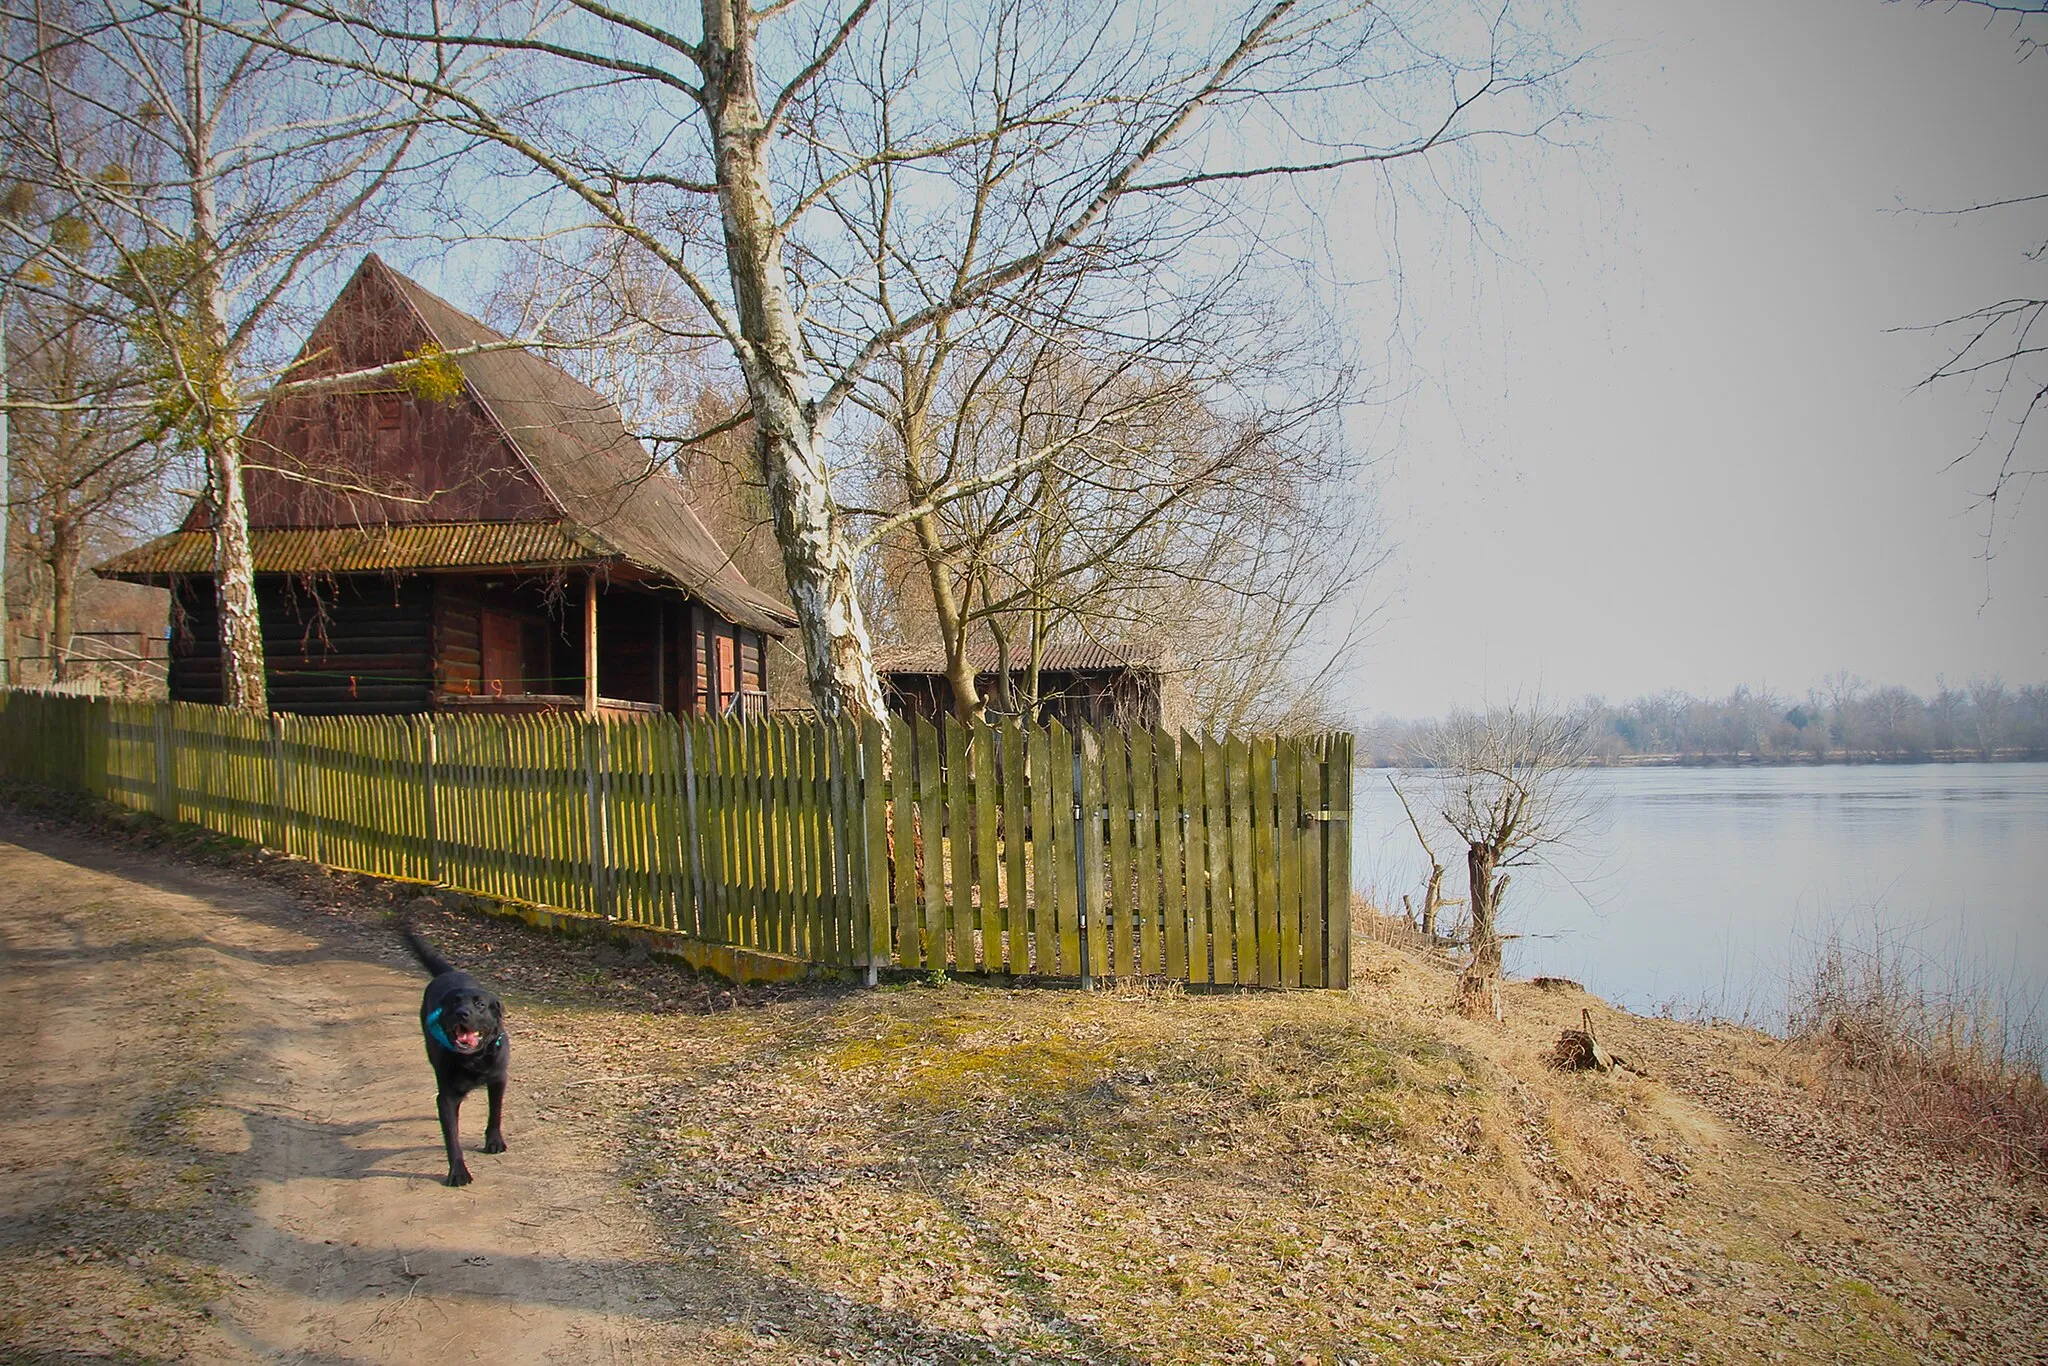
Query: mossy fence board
[[967, 849]]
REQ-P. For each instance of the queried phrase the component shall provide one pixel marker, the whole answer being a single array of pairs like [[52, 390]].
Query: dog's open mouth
[[468, 1040]]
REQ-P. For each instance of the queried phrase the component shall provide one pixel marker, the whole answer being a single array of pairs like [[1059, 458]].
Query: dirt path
[[217, 1142]]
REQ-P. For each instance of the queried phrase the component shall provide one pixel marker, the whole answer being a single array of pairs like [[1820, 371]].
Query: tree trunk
[[242, 682], [953, 623], [1034, 666], [1432, 899], [1006, 687], [210, 385], [914, 431], [789, 439], [64, 554], [1479, 984]]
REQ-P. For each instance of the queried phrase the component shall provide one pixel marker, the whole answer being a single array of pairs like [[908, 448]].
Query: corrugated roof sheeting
[[297, 550]]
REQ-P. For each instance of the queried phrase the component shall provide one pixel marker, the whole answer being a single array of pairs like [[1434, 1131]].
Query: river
[[1708, 888]]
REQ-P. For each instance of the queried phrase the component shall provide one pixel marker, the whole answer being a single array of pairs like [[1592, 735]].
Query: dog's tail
[[422, 950]]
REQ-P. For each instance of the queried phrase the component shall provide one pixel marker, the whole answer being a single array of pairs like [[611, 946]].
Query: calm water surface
[[1710, 885]]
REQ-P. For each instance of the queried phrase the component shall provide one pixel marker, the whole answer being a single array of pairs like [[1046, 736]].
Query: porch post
[[590, 644], [661, 698]]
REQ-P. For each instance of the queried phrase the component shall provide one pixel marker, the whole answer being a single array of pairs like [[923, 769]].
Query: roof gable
[[523, 442], [371, 454], [597, 472]]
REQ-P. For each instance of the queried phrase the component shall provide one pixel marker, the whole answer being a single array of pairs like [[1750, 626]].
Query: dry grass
[[1940, 1064], [953, 1171], [957, 1171], [1371, 924]]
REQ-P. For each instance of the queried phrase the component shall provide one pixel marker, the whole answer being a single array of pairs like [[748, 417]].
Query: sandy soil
[[217, 1142]]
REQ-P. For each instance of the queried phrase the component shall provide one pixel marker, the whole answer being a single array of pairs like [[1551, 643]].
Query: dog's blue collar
[[440, 1036]]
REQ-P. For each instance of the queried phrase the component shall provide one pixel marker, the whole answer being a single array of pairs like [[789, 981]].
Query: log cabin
[[485, 536]]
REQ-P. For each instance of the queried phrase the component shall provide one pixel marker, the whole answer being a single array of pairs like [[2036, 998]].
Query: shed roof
[[1085, 657], [615, 501]]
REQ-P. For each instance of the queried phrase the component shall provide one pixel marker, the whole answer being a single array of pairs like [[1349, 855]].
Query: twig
[[413, 1278]]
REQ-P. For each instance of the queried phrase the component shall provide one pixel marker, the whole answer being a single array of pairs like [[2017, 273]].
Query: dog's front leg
[[450, 1107], [494, 1133]]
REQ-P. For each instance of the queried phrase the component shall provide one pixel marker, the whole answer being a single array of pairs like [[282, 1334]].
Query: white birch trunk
[[790, 441], [207, 369], [241, 633]]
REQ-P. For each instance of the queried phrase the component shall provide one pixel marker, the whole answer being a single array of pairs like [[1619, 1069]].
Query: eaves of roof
[[394, 547]]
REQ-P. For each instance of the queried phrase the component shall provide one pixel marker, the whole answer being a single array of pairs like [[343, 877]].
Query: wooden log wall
[[458, 636], [360, 643], [1091, 854]]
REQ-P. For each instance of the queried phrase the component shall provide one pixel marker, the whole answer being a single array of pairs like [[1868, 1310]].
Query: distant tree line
[[1844, 720]]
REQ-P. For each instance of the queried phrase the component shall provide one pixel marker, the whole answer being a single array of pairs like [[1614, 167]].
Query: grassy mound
[[967, 1172]]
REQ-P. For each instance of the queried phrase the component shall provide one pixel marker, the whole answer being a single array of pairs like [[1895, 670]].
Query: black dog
[[464, 1027]]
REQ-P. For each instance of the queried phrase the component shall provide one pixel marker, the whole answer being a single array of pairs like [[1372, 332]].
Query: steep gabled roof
[[613, 503], [595, 470]]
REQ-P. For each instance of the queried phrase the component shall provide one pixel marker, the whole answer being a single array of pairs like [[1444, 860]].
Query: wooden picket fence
[[1044, 852]]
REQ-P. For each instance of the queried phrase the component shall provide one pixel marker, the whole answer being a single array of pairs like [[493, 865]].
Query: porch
[[509, 646]]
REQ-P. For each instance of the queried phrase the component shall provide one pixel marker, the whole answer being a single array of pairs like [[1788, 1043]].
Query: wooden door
[[503, 646]]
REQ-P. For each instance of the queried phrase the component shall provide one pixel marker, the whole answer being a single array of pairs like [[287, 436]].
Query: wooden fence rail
[[966, 849]]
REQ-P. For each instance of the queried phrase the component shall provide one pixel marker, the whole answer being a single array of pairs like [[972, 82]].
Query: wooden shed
[[497, 542], [1078, 685]]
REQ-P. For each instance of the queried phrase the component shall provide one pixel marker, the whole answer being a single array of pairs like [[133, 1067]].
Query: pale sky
[[1665, 439]]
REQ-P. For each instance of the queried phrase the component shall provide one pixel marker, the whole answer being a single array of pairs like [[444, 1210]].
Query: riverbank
[[1713, 890], [935, 1171]]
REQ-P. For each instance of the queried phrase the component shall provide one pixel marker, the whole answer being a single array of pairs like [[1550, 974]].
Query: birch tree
[[211, 178], [1060, 473], [1009, 140]]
